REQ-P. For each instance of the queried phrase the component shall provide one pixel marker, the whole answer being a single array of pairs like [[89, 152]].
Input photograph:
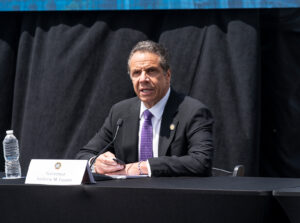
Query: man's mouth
[[146, 91]]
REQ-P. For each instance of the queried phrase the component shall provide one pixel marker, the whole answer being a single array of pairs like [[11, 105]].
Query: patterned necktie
[[146, 137]]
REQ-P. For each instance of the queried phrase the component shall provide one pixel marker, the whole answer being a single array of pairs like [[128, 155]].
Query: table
[[173, 199], [289, 199]]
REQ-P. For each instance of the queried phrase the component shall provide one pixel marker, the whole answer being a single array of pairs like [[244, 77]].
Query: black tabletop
[[163, 199], [229, 184], [289, 191], [245, 185], [289, 199]]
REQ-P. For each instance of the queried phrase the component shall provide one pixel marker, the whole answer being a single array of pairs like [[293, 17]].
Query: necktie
[[146, 137]]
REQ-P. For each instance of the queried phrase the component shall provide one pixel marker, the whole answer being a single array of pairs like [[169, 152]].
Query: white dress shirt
[[157, 111]]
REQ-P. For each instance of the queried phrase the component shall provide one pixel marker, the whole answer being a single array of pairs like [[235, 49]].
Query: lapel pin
[[172, 127]]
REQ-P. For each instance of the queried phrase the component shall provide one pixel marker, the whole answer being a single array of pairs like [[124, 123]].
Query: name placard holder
[[59, 172]]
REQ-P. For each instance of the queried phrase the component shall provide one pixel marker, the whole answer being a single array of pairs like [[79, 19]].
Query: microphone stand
[[119, 124]]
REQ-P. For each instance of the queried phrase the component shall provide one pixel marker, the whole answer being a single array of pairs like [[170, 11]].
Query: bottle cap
[[10, 132]]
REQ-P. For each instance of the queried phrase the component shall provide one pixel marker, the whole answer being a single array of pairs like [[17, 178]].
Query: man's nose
[[143, 76]]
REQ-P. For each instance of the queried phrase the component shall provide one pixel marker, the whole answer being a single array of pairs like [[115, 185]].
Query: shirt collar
[[158, 109]]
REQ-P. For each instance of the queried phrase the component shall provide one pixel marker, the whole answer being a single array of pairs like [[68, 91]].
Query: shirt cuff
[[149, 168]]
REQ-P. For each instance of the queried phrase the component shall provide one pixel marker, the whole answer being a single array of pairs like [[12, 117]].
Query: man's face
[[149, 81]]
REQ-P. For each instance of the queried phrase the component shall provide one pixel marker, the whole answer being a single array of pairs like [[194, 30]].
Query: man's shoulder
[[186, 101], [126, 103], [193, 102], [190, 107]]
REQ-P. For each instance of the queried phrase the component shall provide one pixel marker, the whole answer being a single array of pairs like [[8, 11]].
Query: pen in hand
[[119, 161]]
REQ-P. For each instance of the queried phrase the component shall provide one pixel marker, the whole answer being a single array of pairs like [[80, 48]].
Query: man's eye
[[135, 73], [151, 71]]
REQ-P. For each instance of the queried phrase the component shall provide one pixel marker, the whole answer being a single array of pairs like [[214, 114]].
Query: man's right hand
[[105, 164]]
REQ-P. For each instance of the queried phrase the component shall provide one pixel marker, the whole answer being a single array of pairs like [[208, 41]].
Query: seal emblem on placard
[[57, 165]]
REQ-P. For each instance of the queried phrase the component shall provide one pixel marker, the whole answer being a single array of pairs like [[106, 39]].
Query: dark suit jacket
[[185, 150]]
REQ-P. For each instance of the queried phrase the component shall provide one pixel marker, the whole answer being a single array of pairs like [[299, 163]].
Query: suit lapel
[[131, 132], [169, 123]]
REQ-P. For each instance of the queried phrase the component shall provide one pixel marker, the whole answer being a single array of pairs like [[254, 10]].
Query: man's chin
[[147, 102], [145, 98]]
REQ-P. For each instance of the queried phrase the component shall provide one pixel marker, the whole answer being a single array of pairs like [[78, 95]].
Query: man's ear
[[169, 74]]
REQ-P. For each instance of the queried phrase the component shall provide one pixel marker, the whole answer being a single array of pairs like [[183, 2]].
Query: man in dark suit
[[163, 133]]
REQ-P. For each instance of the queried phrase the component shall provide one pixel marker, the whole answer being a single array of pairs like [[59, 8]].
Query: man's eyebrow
[[151, 67], [146, 68], [136, 69]]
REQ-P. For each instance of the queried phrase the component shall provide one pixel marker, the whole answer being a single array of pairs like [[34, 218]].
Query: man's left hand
[[132, 169]]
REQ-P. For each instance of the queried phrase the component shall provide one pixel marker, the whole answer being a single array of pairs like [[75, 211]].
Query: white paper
[[126, 176]]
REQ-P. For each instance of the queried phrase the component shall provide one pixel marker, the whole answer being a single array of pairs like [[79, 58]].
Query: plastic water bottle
[[11, 156]]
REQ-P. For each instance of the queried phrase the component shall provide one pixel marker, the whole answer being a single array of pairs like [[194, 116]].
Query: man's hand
[[132, 169], [105, 164]]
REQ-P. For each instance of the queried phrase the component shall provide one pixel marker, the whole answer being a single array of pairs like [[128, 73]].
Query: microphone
[[119, 124]]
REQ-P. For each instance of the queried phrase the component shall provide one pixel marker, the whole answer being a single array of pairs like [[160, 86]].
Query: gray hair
[[151, 47]]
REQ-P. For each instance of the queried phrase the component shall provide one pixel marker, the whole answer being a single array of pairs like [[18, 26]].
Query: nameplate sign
[[58, 172]]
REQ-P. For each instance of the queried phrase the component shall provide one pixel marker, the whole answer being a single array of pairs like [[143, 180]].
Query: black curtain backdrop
[[280, 144], [60, 72]]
